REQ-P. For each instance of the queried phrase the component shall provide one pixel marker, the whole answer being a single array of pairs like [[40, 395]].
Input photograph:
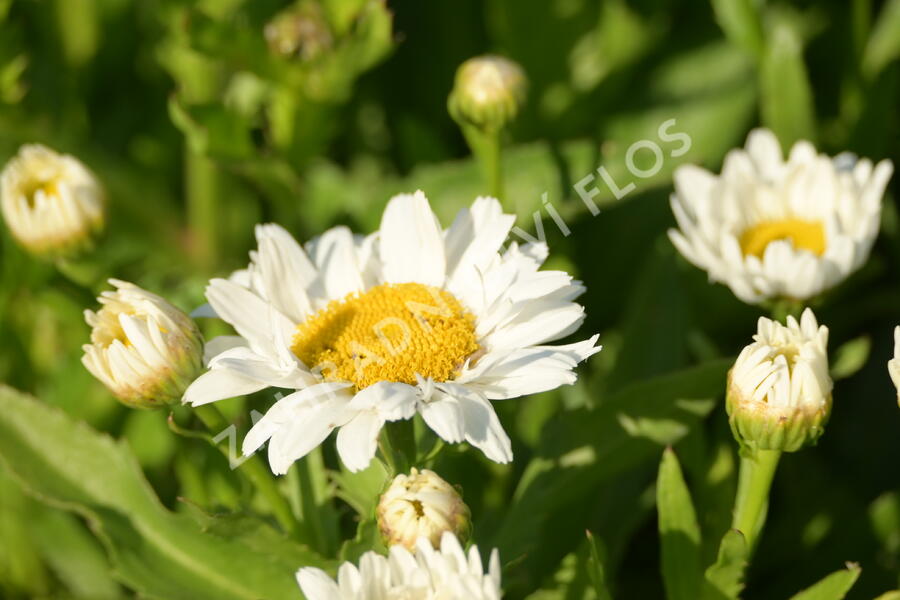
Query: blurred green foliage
[[205, 117]]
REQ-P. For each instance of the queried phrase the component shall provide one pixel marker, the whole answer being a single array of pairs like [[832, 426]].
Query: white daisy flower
[[445, 574], [779, 390], [421, 505], [411, 319], [894, 364], [142, 348], [773, 229], [52, 204]]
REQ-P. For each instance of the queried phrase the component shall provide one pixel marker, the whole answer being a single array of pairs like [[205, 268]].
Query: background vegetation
[[199, 129]]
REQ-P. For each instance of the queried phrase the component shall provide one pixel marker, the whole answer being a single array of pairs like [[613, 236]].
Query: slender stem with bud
[[486, 147], [752, 500], [256, 472]]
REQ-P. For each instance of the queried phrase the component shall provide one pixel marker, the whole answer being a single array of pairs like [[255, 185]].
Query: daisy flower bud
[[52, 204], [421, 505], [488, 92], [142, 348], [426, 573], [894, 364], [779, 390]]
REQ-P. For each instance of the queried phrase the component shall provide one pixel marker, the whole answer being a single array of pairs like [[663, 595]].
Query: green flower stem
[[202, 190], [308, 503], [486, 147], [398, 446], [752, 500], [255, 471]]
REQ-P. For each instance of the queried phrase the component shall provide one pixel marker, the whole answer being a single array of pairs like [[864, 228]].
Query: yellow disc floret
[[392, 332], [805, 235]]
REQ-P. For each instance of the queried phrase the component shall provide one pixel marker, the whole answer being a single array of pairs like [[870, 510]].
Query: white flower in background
[[374, 329], [894, 364], [142, 348], [52, 204], [779, 390], [421, 505], [429, 574], [773, 229]]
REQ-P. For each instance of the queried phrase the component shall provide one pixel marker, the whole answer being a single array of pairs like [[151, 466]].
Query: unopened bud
[[488, 92], [52, 204], [779, 390], [421, 505], [142, 348]]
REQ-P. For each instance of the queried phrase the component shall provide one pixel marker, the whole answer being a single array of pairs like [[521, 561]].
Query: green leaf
[[850, 357], [884, 43], [597, 567], [724, 580], [154, 551], [74, 555], [833, 587], [786, 101], [740, 20], [585, 448], [678, 531], [895, 595]]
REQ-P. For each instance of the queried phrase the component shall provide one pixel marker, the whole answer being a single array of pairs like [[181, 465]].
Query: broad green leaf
[[724, 580], [833, 587], [786, 102], [678, 531], [850, 357], [74, 555], [21, 567], [585, 448], [884, 42], [895, 595], [154, 551], [740, 20], [597, 567]]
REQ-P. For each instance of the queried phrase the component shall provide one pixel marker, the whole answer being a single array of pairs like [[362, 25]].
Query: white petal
[[392, 400], [358, 440], [483, 428], [285, 271], [317, 585], [335, 255], [296, 407], [444, 415], [251, 316], [411, 243], [219, 384]]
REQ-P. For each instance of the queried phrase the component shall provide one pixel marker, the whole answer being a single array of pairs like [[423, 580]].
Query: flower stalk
[[256, 472], [752, 500]]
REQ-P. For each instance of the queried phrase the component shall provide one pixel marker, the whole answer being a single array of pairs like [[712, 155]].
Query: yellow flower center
[[391, 332], [805, 235], [31, 189]]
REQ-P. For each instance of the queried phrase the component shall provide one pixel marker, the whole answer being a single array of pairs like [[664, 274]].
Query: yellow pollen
[[391, 332], [805, 235]]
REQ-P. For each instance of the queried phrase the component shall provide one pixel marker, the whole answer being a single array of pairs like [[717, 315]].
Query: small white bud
[[52, 204], [142, 348], [421, 505], [779, 390]]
